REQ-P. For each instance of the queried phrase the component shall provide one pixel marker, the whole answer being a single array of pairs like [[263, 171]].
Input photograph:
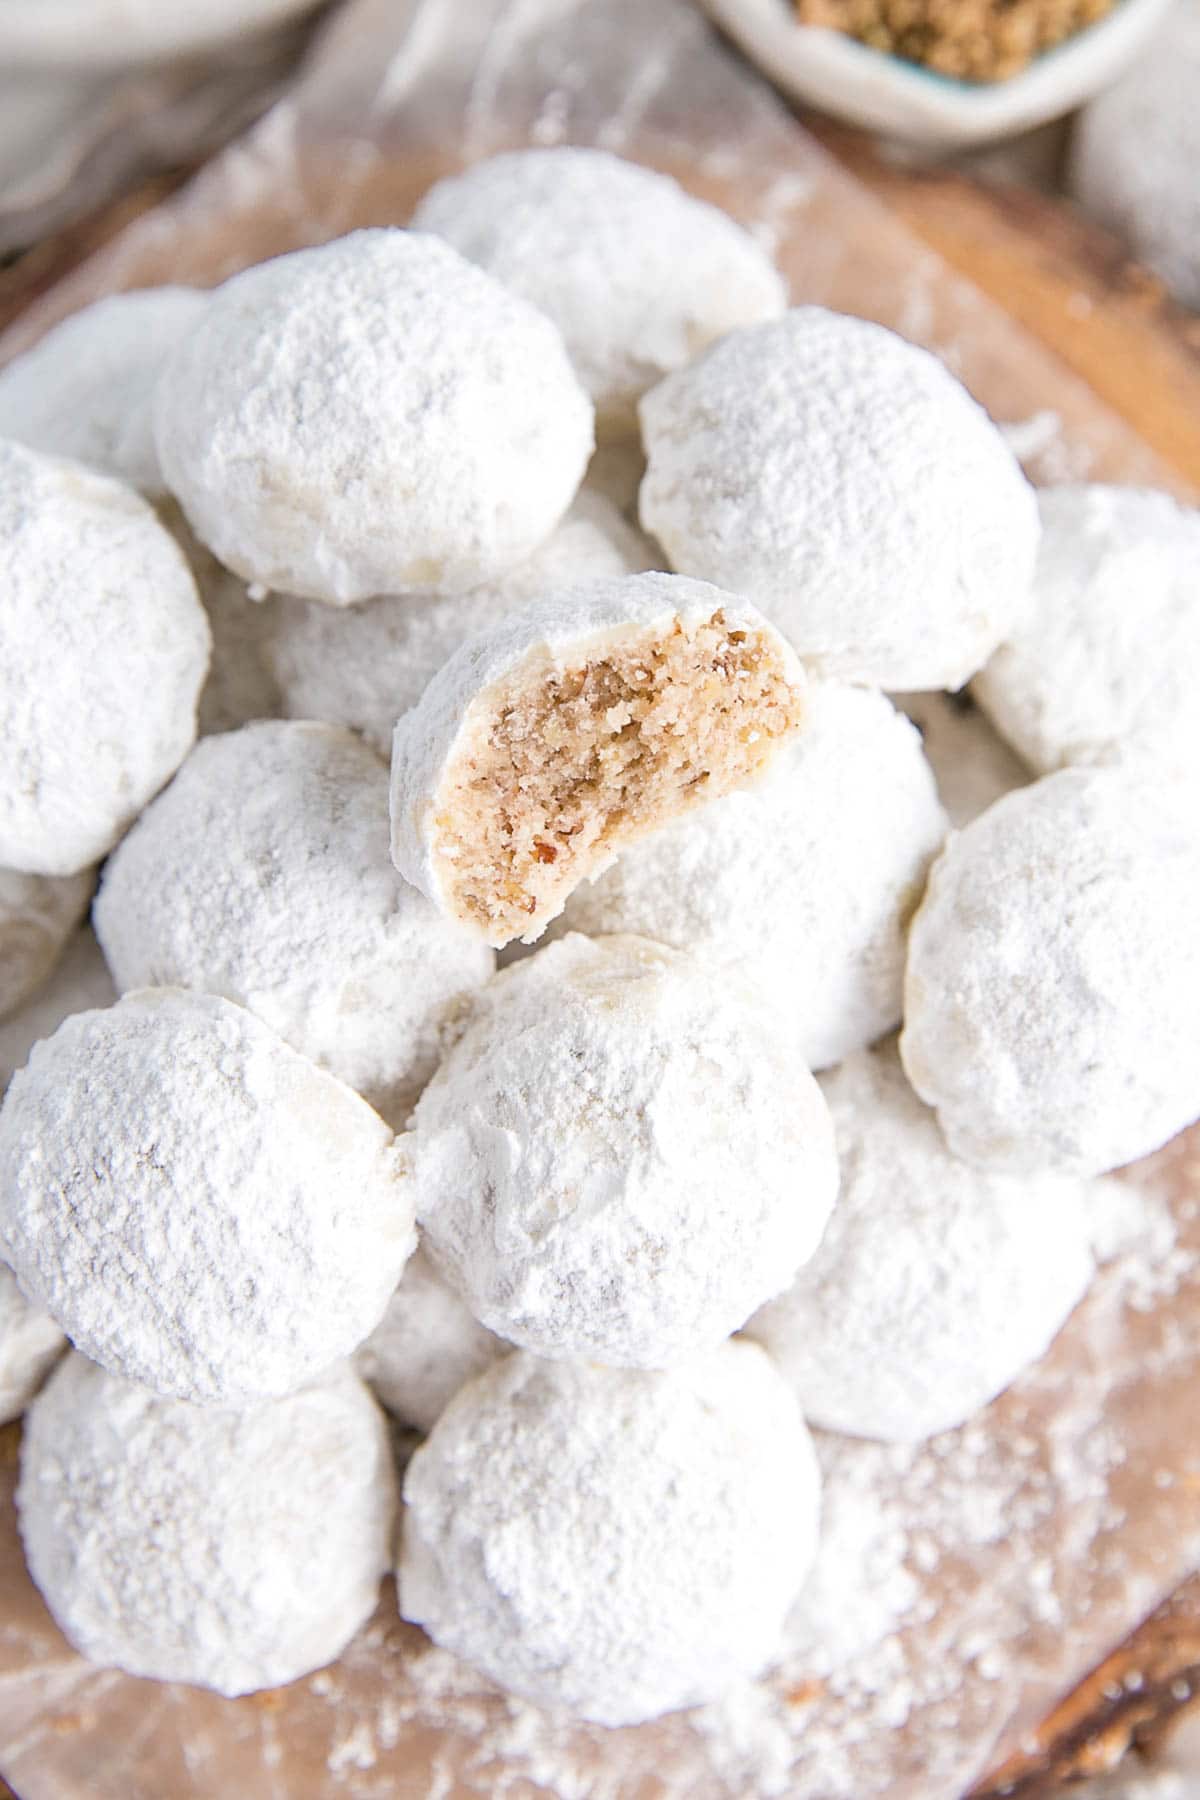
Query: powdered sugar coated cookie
[[608, 1540], [935, 1283], [364, 666], [373, 416], [103, 650], [262, 874], [637, 275], [573, 727], [1108, 658], [85, 389], [803, 884], [619, 1158], [200, 1208], [844, 481], [30, 1345], [237, 1550], [425, 1347], [1052, 997], [38, 915]]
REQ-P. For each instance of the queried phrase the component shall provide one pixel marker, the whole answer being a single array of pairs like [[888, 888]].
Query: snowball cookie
[[262, 874], [1109, 656], [103, 650], [569, 729], [370, 417], [1134, 153], [619, 1158], [1052, 997], [804, 884], [637, 275], [971, 764], [30, 1345], [935, 1283], [80, 982], [85, 389], [200, 1207], [237, 1550], [614, 1541], [424, 1348], [38, 915], [364, 666], [847, 483]]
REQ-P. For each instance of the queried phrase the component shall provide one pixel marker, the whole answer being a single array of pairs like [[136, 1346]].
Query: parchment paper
[[963, 1587]]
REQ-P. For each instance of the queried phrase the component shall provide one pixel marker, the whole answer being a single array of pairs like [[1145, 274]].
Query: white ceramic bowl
[[883, 93], [92, 34]]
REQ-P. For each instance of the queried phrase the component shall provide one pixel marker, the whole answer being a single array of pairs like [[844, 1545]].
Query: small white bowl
[[884, 93], [91, 34]]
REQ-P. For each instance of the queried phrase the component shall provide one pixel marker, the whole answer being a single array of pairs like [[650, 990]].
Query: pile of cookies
[[612, 1222]]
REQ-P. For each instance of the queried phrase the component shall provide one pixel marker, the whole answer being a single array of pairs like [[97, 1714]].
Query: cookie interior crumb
[[571, 763]]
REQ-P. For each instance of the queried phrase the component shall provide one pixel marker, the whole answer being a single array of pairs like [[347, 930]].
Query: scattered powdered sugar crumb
[[1042, 447], [950, 1575]]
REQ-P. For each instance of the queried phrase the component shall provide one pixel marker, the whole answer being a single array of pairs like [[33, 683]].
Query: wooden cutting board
[[1101, 378]]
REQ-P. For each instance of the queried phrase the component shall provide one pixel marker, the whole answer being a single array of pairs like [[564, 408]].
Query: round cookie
[[844, 481], [373, 416], [1134, 150], [30, 1345], [364, 666], [620, 1158], [612, 1541], [80, 983], [1052, 995], [262, 874], [802, 884], [85, 389], [573, 727], [935, 1283], [424, 1348], [103, 650], [237, 1550], [637, 275], [38, 915], [1108, 658], [199, 1207]]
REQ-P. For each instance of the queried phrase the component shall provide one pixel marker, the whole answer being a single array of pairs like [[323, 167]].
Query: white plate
[[91, 34], [871, 88]]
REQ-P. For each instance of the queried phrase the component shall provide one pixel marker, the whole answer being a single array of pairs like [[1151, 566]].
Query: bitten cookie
[[572, 728]]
